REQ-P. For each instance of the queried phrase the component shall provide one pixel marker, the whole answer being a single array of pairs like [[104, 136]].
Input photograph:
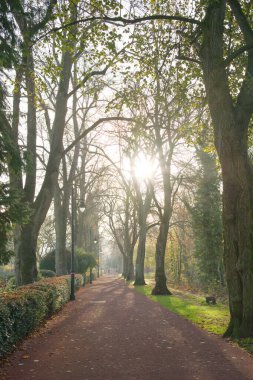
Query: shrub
[[83, 261], [48, 261], [11, 283], [25, 308], [21, 311], [47, 273]]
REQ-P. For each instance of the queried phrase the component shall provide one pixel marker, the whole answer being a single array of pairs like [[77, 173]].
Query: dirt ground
[[113, 333]]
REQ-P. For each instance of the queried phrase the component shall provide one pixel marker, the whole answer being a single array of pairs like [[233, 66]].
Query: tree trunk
[[140, 259], [130, 266], [160, 277], [231, 121], [124, 272], [26, 263], [90, 275], [45, 196], [238, 239], [60, 212]]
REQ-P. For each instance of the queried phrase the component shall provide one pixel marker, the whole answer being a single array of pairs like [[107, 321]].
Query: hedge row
[[24, 308]]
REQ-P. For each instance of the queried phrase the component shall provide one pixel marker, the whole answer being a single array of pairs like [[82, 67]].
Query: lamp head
[[82, 206]]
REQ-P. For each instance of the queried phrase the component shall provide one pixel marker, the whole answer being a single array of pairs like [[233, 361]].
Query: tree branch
[[237, 53], [184, 58], [93, 126], [124, 21], [35, 28], [87, 77], [242, 20], [95, 73]]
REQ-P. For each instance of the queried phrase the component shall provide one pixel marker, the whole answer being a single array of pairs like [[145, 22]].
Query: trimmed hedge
[[26, 307]]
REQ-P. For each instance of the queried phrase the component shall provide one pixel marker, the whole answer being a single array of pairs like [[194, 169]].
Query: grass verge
[[212, 318]]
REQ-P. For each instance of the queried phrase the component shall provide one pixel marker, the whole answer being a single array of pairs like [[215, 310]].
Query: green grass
[[212, 318]]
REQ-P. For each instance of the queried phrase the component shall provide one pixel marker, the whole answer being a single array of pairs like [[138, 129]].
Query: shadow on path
[[113, 333]]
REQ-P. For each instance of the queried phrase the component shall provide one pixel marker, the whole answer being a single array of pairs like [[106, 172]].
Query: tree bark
[[27, 259], [124, 272], [231, 140], [130, 266], [140, 259], [160, 277], [30, 154], [26, 272], [61, 217]]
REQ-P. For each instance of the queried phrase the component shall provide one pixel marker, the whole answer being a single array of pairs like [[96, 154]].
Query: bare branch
[[124, 21], [93, 126]]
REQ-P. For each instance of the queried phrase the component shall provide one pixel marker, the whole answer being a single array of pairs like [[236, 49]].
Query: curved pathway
[[113, 333]]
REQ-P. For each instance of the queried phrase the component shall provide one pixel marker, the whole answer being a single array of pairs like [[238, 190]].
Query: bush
[[11, 283], [47, 273], [25, 308], [48, 261], [83, 261]]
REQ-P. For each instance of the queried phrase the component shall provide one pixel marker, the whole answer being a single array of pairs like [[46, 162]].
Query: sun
[[144, 167]]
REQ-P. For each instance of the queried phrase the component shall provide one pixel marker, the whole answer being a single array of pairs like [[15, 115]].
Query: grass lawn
[[213, 318]]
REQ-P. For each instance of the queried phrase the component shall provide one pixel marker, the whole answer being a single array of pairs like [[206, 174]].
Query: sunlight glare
[[144, 167]]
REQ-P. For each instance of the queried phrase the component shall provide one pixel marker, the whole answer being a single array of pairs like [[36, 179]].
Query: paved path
[[113, 333]]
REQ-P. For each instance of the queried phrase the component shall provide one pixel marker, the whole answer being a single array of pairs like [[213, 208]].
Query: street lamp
[[82, 205], [96, 242], [101, 262], [73, 213]]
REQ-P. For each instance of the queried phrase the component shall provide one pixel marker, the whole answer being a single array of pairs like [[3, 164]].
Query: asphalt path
[[110, 332]]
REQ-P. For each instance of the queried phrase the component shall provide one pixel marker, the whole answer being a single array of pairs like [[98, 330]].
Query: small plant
[[11, 283]]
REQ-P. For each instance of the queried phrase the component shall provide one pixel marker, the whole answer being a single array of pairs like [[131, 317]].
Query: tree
[[143, 201], [231, 111], [121, 213], [12, 209], [207, 223], [85, 261]]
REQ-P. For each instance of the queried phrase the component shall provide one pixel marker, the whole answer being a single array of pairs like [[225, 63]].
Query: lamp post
[[100, 263], [97, 244], [73, 214]]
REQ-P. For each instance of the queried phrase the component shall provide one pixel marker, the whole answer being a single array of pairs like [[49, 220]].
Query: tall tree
[[207, 222], [231, 114]]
